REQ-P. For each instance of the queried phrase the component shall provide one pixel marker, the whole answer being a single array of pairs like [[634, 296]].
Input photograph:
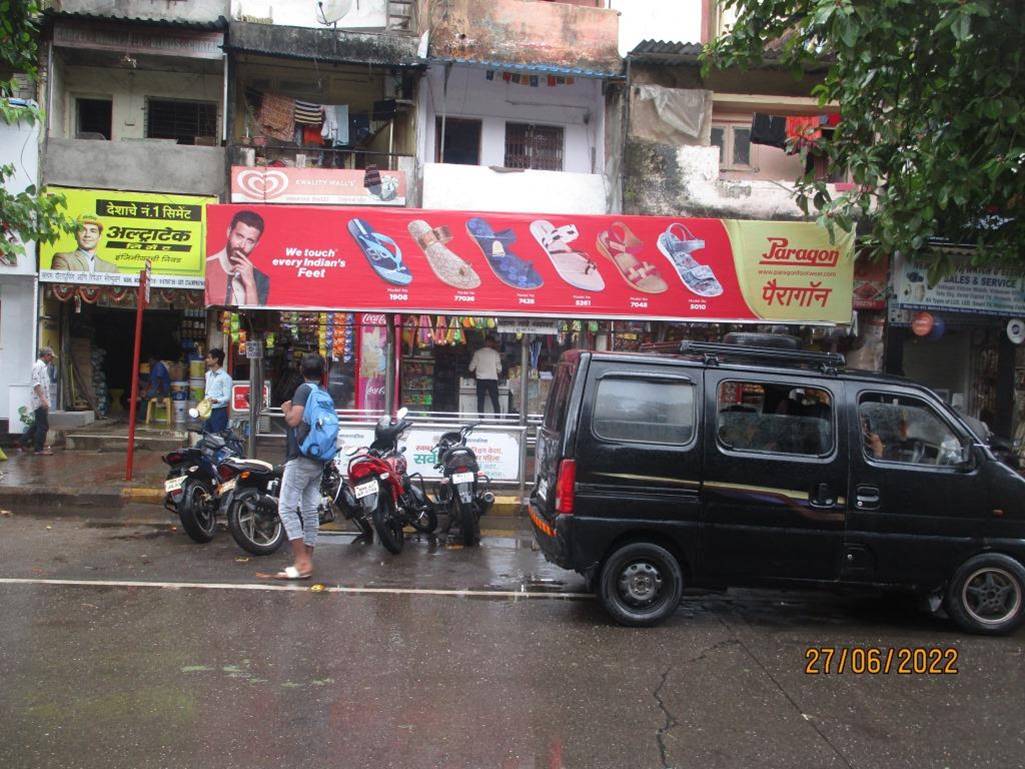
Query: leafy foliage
[[25, 216], [931, 95]]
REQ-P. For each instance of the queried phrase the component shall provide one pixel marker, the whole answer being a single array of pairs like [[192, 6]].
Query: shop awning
[[456, 262]]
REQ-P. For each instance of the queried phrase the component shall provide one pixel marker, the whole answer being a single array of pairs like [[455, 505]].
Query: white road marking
[[296, 588]]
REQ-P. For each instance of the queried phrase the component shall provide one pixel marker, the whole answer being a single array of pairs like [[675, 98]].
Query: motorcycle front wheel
[[198, 511], [256, 528], [388, 526]]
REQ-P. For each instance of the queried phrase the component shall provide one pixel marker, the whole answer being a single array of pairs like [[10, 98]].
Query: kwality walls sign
[[408, 260]]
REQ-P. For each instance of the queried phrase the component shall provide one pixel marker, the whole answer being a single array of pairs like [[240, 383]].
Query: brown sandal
[[622, 250]]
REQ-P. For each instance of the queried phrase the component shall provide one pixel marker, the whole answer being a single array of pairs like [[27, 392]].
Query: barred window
[[533, 146], [184, 121]]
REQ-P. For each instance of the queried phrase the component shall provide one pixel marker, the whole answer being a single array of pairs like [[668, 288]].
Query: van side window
[[643, 410], [897, 428], [773, 417]]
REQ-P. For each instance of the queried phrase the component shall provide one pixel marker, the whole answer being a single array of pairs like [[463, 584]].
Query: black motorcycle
[[463, 490], [336, 495], [197, 479], [415, 507], [252, 504]]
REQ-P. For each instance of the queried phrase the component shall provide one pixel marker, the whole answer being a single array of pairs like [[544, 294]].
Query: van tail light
[[565, 486]]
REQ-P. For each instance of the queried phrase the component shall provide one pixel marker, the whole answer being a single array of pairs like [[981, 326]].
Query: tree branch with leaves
[[932, 131]]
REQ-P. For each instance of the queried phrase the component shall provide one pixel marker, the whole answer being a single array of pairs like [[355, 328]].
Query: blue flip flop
[[511, 269], [387, 263]]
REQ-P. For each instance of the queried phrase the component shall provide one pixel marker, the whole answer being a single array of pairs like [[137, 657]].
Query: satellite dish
[[1016, 330], [330, 11]]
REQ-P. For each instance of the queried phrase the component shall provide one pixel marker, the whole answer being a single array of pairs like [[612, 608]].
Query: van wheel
[[641, 584], [987, 594]]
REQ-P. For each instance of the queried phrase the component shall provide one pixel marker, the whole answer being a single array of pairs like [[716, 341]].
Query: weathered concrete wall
[[323, 44], [662, 180], [478, 188], [521, 32], [198, 11], [147, 165]]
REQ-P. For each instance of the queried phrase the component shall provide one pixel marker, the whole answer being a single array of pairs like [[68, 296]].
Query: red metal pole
[[140, 304]]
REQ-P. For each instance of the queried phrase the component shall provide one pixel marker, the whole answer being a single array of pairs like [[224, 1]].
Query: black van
[[728, 465]]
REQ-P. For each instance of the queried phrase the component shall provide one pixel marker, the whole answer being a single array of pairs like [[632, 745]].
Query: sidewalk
[[91, 484], [79, 482]]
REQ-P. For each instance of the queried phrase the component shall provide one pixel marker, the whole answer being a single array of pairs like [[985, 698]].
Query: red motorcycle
[[384, 491]]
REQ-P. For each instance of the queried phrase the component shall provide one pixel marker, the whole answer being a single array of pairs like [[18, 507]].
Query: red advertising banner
[[318, 186], [408, 260]]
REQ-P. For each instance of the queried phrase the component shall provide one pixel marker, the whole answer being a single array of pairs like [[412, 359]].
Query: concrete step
[[95, 441]]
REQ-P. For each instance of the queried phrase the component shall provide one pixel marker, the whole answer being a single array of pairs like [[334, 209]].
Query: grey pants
[[300, 497]]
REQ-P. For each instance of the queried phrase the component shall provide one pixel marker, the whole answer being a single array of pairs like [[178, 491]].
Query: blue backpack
[[321, 441]]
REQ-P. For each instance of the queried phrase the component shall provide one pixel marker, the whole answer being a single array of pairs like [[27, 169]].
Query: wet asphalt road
[[172, 676]]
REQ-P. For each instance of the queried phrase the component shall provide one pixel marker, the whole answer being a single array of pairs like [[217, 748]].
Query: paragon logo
[[780, 252]]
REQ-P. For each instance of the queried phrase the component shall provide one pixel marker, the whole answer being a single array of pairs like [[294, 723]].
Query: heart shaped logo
[[262, 184]]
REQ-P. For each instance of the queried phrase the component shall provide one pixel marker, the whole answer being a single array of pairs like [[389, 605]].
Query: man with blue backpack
[[312, 441]]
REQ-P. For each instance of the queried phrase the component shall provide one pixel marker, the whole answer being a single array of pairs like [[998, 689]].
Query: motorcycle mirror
[[401, 413]]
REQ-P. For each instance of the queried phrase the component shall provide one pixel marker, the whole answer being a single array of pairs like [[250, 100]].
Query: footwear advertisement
[[410, 260]]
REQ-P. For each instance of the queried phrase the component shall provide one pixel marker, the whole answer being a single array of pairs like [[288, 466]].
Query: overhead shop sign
[[977, 290], [405, 260], [117, 232], [134, 39], [317, 186]]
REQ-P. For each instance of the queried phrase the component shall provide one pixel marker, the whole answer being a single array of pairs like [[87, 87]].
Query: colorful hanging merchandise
[[276, 117]]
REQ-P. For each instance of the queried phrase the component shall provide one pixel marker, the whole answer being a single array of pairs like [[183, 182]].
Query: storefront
[[89, 292], [962, 336], [399, 299]]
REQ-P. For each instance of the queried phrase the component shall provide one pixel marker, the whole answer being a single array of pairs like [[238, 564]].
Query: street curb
[[143, 495]]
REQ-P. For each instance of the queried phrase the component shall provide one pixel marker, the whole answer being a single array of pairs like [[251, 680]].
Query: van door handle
[[866, 497]]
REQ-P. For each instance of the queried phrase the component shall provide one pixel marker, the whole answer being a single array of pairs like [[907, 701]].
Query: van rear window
[[558, 398]]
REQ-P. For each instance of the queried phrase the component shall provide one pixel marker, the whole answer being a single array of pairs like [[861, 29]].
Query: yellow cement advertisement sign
[[793, 271], [119, 231]]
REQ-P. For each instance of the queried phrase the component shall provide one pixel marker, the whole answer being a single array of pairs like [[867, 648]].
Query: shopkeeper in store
[[159, 385], [218, 391], [486, 366]]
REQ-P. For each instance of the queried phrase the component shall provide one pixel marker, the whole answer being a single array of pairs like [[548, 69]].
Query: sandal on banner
[[449, 267], [510, 269], [622, 248], [387, 263], [574, 267], [676, 244]]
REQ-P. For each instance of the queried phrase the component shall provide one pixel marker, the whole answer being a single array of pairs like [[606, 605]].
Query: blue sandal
[[387, 263], [511, 269]]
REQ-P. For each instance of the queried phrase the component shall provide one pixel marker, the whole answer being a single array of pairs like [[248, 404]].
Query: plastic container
[[179, 391], [197, 369], [196, 388], [180, 410]]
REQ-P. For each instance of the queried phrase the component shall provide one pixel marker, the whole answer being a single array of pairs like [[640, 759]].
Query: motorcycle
[[336, 494], [252, 504], [383, 489], [464, 490], [197, 478]]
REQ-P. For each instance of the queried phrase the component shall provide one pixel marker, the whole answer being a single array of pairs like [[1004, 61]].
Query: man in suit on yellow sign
[[84, 258]]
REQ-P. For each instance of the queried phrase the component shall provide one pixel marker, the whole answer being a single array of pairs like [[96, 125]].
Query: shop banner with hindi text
[[456, 262], [119, 231]]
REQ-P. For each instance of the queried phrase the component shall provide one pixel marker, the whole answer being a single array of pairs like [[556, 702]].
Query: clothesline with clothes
[[309, 124], [800, 130]]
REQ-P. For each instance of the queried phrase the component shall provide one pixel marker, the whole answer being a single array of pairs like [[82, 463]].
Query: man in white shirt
[[486, 366], [218, 391], [41, 401]]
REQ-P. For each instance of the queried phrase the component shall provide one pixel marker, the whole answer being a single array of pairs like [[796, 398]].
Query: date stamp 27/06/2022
[[881, 660]]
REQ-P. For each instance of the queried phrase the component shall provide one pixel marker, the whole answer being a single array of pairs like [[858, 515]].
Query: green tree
[[25, 216], [932, 131]]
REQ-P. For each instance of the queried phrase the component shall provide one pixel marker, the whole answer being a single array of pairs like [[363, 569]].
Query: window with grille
[[533, 146], [184, 121]]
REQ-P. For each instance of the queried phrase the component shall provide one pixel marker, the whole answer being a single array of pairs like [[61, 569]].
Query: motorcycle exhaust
[[487, 499]]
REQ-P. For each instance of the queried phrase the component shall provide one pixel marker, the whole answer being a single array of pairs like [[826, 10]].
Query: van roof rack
[[827, 362]]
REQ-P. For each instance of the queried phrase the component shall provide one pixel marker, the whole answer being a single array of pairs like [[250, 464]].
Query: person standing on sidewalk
[[486, 366], [218, 392], [41, 401], [300, 482]]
